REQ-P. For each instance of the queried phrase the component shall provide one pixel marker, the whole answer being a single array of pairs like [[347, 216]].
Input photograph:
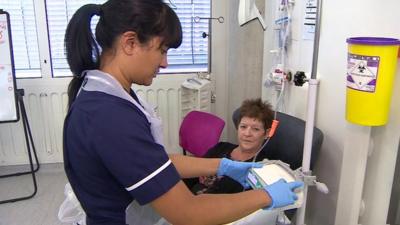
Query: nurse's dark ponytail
[[81, 48]]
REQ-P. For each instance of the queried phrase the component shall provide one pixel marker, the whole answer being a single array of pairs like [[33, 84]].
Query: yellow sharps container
[[371, 68]]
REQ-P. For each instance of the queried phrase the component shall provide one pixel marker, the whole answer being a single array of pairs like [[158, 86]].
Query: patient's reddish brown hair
[[257, 109]]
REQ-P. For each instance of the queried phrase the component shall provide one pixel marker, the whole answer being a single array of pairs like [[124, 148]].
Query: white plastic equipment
[[195, 95], [272, 171], [248, 11]]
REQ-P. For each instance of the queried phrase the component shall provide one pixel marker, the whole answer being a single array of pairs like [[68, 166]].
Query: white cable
[[261, 148]]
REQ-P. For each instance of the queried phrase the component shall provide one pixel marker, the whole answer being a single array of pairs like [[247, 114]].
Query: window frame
[[46, 70]]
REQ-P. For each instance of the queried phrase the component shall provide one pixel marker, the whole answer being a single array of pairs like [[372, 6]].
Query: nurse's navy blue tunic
[[111, 157]]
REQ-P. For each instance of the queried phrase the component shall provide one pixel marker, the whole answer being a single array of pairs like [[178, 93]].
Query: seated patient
[[254, 123]]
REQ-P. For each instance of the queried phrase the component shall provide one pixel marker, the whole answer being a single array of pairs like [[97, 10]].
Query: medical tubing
[[285, 29], [272, 130], [274, 125], [255, 156], [262, 146], [285, 22], [280, 97]]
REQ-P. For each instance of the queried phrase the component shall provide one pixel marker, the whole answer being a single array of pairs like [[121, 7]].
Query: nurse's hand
[[236, 170], [282, 193]]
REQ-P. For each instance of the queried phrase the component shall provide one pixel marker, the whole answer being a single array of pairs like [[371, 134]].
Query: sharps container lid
[[373, 41]]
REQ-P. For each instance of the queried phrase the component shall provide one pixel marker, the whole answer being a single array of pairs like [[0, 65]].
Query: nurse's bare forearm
[[224, 208], [189, 166], [208, 208]]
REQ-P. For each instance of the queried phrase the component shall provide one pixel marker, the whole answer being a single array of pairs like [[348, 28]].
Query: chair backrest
[[199, 132], [288, 141]]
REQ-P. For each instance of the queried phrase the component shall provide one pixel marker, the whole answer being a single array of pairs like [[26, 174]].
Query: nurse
[[113, 150]]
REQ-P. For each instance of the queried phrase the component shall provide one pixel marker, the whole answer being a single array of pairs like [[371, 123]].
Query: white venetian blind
[[191, 56], [24, 37]]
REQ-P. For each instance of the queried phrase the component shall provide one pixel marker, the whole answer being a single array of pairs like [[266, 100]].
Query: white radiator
[[46, 108]]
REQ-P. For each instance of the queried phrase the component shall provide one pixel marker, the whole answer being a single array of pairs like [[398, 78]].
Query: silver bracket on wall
[[219, 19]]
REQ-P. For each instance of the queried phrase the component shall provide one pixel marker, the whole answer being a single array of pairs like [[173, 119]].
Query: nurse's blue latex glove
[[282, 193], [236, 170]]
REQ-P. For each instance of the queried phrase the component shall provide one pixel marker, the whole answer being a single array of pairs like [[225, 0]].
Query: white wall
[[237, 56], [342, 19], [219, 53], [244, 62]]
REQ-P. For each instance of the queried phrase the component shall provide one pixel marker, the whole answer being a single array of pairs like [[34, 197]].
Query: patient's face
[[251, 134]]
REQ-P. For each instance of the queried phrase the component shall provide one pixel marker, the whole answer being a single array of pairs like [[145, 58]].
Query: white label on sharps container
[[362, 72]]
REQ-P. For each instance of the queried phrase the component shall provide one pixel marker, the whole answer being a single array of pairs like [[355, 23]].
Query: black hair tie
[[100, 10], [82, 75]]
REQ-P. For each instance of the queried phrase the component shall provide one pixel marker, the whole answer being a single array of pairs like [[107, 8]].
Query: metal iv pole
[[311, 102]]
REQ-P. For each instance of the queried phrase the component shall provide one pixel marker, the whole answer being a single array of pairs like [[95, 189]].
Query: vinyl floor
[[42, 209]]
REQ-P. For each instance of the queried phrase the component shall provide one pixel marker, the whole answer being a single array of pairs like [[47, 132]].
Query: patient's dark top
[[224, 184]]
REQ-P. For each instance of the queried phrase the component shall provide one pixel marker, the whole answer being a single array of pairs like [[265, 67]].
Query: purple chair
[[199, 132]]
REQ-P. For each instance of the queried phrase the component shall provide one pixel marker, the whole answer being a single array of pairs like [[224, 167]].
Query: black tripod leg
[[28, 137], [27, 129]]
